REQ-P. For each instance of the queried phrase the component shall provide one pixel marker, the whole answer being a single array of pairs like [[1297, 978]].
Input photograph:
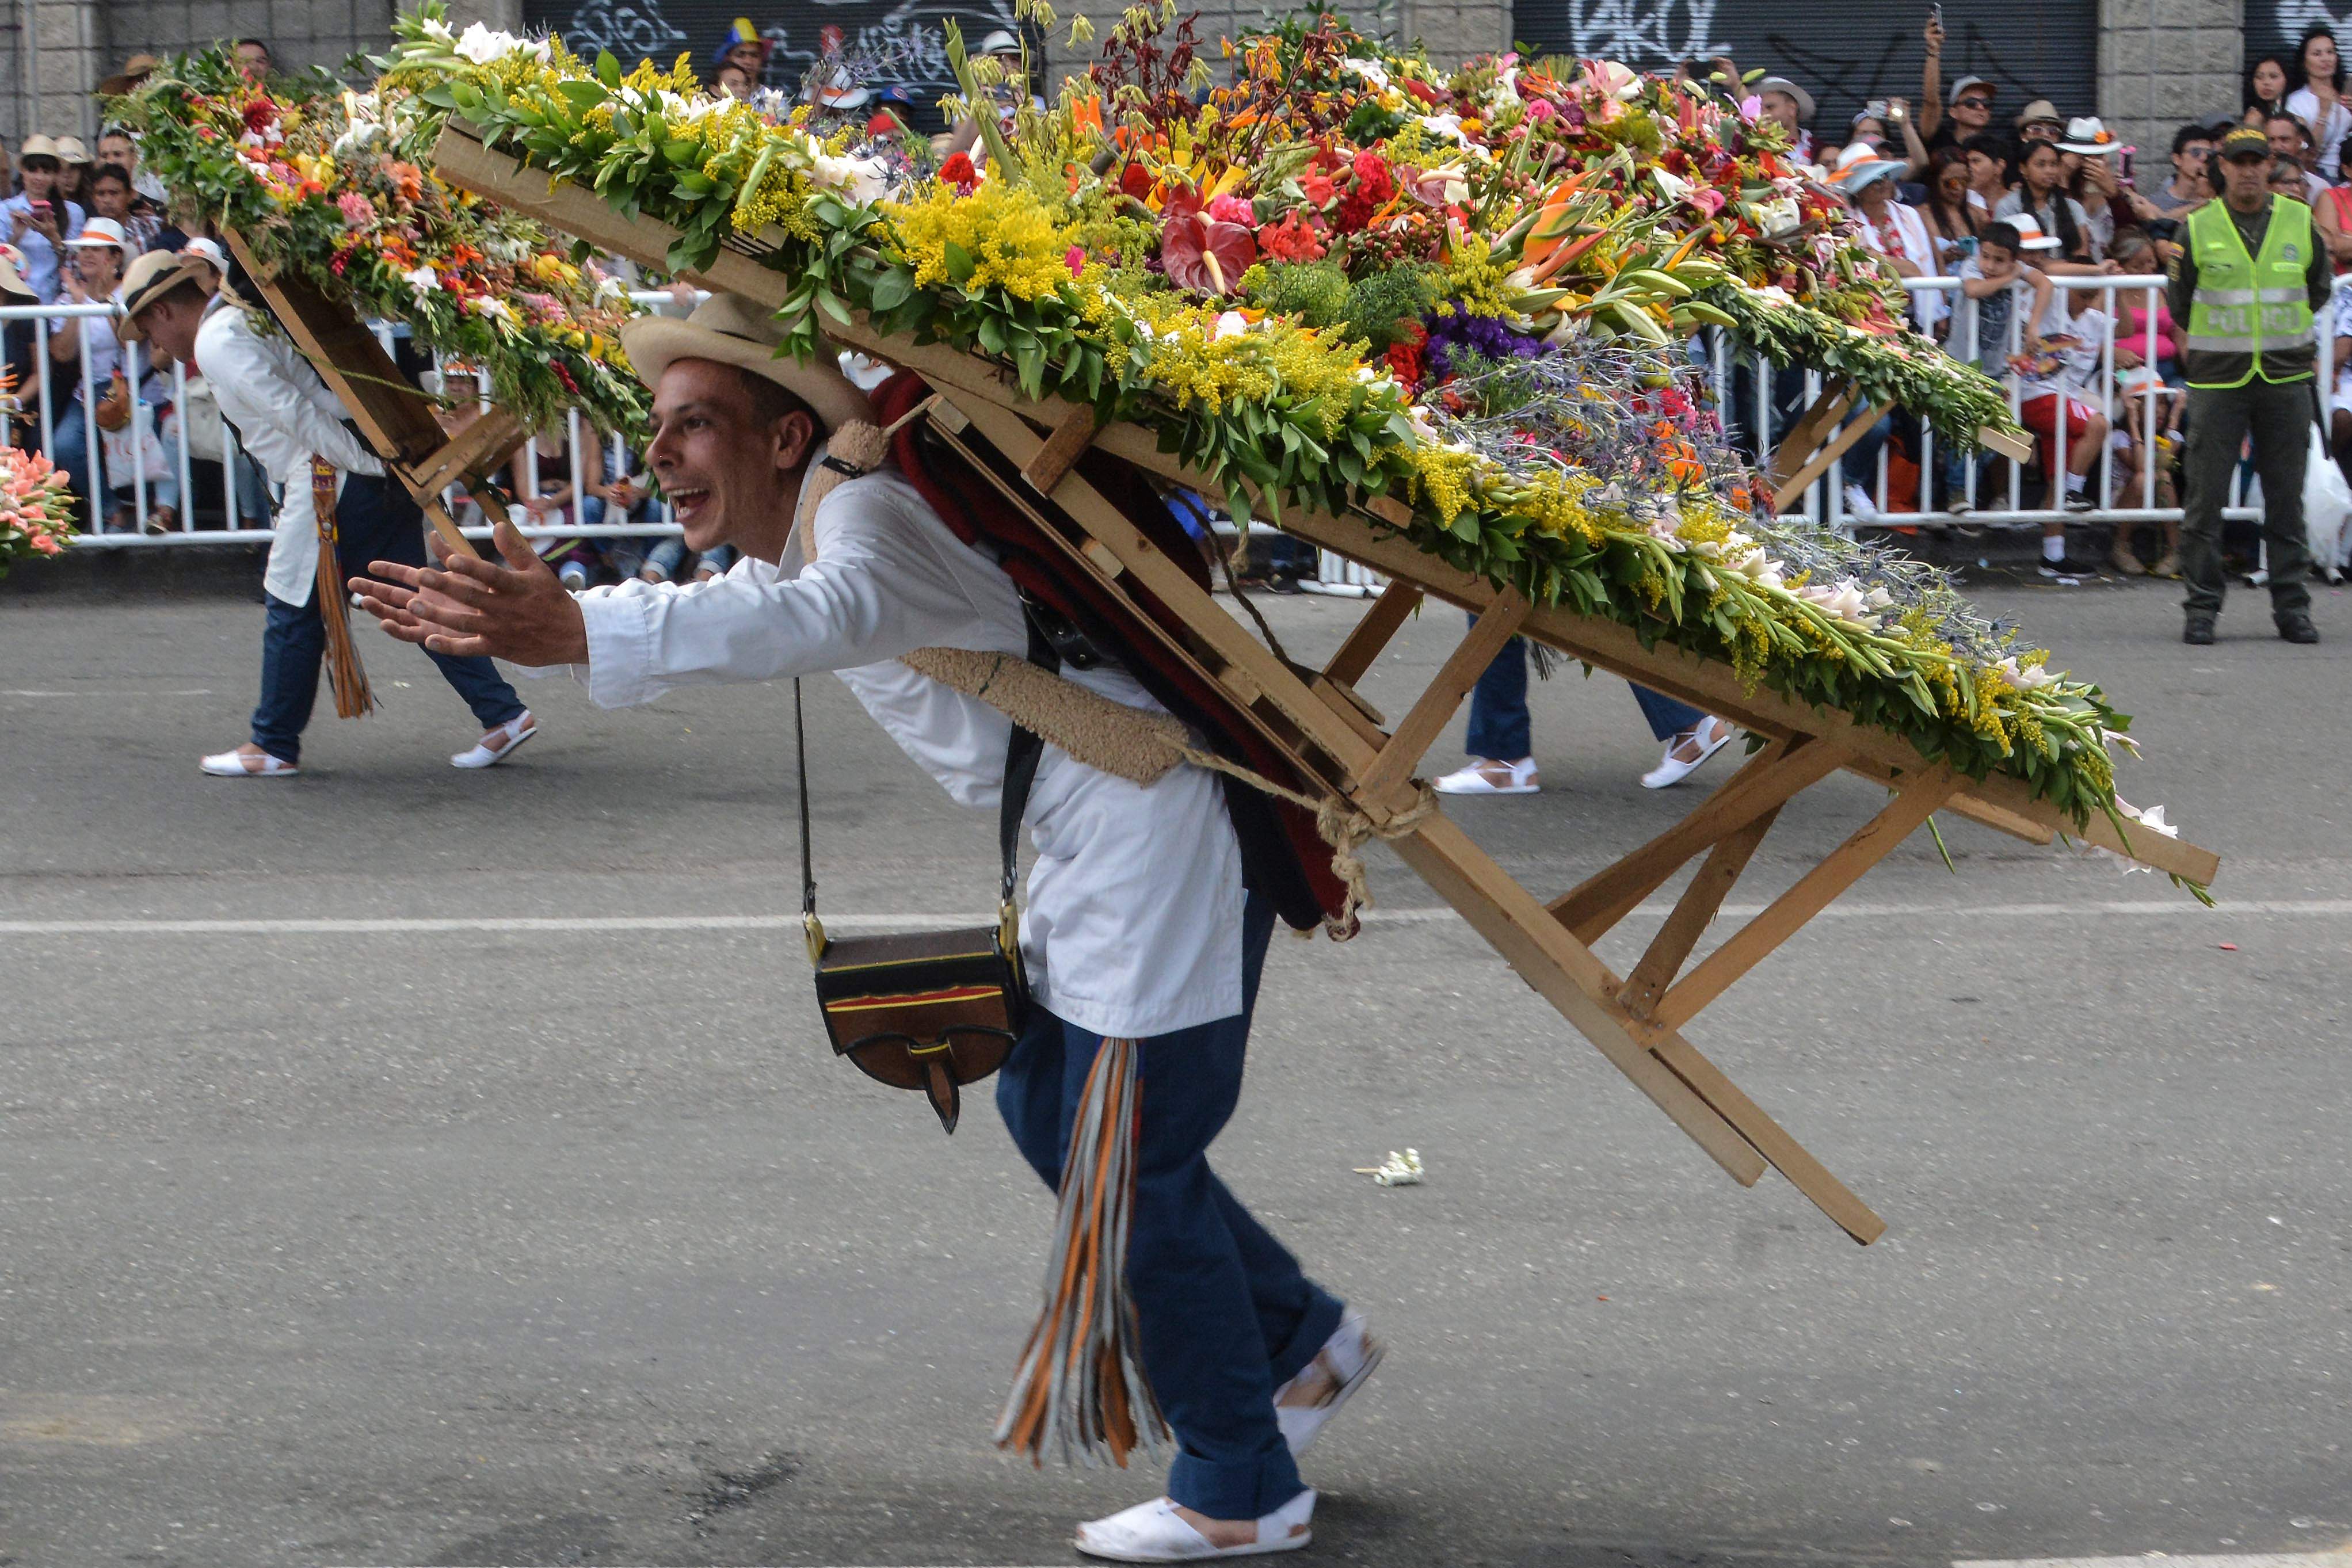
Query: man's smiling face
[[724, 442]]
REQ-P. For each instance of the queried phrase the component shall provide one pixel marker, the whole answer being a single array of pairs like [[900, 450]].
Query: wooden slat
[[1421, 724], [1801, 440], [1788, 1157], [1764, 783], [1812, 893], [489, 440], [1374, 633], [1565, 976], [1691, 915], [1790, 493], [2017, 448], [1065, 446]]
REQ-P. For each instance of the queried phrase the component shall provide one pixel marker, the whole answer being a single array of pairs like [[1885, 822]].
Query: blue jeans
[[373, 526], [1499, 726], [1224, 1314]]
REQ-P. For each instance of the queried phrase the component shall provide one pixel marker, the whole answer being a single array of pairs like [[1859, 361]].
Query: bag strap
[[1022, 750]]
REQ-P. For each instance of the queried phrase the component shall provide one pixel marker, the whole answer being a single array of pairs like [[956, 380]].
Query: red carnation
[[1292, 239], [1373, 176], [261, 114], [957, 171], [1318, 189]]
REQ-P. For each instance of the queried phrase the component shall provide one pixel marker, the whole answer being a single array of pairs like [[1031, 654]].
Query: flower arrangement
[[338, 186], [35, 511], [1351, 278]]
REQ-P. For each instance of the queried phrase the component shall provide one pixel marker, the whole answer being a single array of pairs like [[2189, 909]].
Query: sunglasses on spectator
[[1973, 101]]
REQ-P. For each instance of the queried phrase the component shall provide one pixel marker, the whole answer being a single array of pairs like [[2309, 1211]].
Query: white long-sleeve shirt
[[284, 415], [1133, 923]]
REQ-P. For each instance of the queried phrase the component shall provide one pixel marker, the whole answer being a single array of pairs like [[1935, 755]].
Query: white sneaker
[[508, 737], [1487, 775], [234, 764], [1859, 507], [1155, 1532], [1711, 736]]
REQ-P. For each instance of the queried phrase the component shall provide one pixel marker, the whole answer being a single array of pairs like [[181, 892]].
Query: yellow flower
[[1013, 242]]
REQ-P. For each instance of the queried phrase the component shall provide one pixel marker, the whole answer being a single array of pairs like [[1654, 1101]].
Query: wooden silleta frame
[[1340, 745], [392, 417]]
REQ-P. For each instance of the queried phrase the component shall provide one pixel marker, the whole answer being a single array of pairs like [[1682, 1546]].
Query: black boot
[[2199, 632], [2294, 626]]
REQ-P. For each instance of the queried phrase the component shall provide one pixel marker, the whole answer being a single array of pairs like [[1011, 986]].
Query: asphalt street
[[399, 1164]]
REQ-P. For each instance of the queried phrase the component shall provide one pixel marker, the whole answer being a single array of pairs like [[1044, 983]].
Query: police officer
[[2250, 273]]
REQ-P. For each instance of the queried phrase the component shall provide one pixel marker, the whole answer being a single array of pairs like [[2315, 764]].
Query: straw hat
[[734, 331], [12, 276], [151, 278], [135, 70], [2040, 112], [38, 146], [1859, 166], [71, 151], [2089, 135], [1782, 84], [100, 232]]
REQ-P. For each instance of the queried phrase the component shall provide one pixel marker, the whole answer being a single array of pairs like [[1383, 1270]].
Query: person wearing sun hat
[[1778, 98], [2251, 274], [1138, 926], [287, 420], [35, 220]]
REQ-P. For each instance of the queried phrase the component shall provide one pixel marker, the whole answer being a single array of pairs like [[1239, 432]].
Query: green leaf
[[608, 68], [960, 265], [686, 155], [581, 96], [991, 334], [891, 289]]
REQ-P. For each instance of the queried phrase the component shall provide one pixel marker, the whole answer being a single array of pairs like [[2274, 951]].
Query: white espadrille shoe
[[1155, 1532], [243, 763], [1347, 1358], [508, 737]]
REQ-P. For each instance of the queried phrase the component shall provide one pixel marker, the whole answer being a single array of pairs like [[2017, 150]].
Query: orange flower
[[407, 180]]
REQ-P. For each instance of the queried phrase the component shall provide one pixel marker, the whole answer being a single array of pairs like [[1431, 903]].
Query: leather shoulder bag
[[928, 1010]]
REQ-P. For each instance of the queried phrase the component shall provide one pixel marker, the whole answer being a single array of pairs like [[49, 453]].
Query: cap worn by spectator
[[1001, 42], [2029, 233], [71, 151], [1961, 86], [2243, 144], [1795, 94], [99, 231], [2089, 135], [2040, 115], [741, 35], [208, 251], [135, 71]]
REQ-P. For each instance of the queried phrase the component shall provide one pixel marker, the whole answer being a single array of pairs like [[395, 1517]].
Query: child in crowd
[[1986, 322], [2059, 364]]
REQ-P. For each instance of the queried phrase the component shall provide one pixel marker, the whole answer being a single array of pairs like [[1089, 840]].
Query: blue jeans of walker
[[373, 526], [1499, 728], [1224, 1312]]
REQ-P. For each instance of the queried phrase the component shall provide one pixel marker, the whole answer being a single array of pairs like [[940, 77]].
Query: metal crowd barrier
[[1744, 390]]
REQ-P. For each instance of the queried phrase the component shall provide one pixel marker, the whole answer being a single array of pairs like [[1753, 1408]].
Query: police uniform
[[2247, 285]]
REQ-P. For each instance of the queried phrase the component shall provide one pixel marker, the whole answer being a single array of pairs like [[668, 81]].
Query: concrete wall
[[2163, 63]]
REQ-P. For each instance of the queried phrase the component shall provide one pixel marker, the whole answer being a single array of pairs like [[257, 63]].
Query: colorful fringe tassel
[[1081, 1394]]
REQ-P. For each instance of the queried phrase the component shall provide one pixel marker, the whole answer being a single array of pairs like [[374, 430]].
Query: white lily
[[423, 282], [439, 32], [1669, 186], [2031, 677], [1369, 71], [1446, 125], [864, 180], [482, 45], [2152, 818]]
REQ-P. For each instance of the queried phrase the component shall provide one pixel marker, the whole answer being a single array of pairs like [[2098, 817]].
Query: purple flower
[[1481, 335]]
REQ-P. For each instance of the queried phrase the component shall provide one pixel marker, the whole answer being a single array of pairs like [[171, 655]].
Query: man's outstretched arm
[[470, 607]]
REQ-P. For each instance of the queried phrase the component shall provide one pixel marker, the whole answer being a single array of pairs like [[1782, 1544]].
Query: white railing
[[245, 515]]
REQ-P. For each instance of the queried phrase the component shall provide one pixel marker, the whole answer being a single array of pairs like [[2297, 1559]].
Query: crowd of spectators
[[2006, 203]]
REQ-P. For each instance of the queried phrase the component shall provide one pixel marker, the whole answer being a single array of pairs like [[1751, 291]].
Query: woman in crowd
[[1955, 213], [2040, 193], [2150, 384], [2267, 84], [1892, 228], [2318, 98]]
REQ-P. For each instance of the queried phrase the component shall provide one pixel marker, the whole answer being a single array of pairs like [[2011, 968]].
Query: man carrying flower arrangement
[[286, 418], [1138, 927]]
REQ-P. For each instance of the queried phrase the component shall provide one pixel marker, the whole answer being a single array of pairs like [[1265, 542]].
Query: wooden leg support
[[1374, 633], [1419, 730]]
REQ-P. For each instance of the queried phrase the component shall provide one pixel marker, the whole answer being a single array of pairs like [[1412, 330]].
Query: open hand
[[470, 608]]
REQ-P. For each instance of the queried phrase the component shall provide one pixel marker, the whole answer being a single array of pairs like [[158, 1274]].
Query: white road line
[[2183, 908], [193, 692], [2324, 1558]]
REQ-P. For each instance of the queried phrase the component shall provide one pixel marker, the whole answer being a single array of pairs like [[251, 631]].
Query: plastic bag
[[2326, 504]]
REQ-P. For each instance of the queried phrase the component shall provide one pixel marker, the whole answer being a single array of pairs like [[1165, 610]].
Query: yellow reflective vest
[[2247, 304]]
